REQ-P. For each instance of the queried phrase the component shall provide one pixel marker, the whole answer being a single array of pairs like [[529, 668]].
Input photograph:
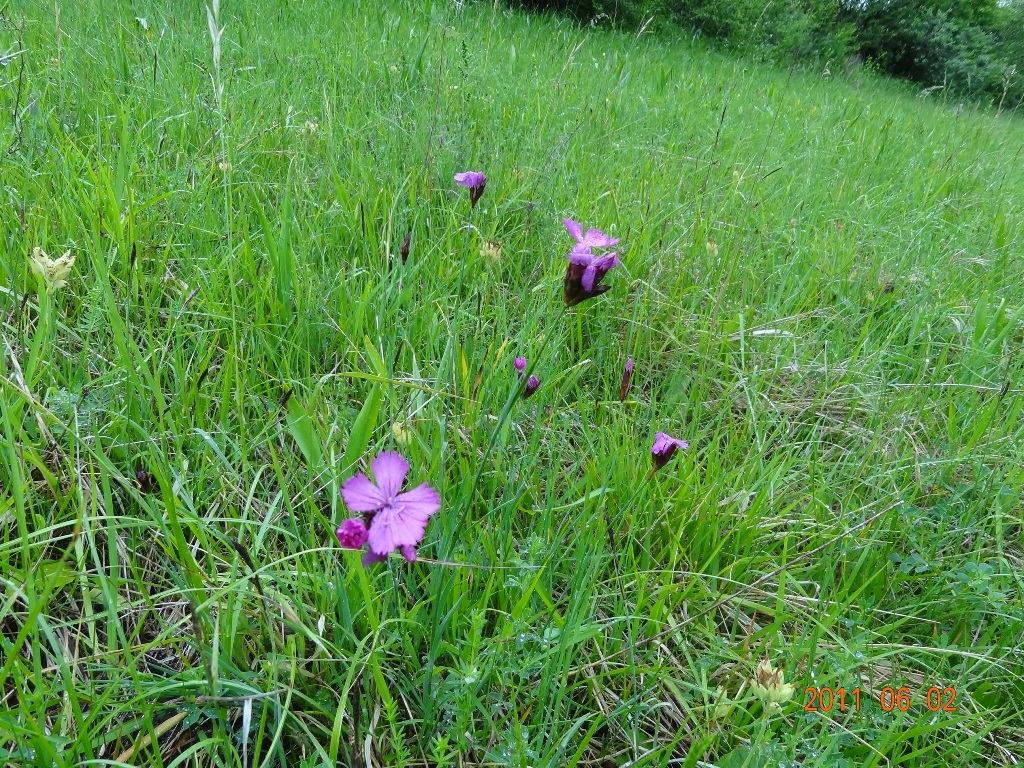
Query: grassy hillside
[[822, 290]]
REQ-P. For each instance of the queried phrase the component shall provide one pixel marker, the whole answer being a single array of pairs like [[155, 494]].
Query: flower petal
[[574, 229], [389, 470], [589, 275], [607, 262], [666, 444], [382, 537], [661, 442], [409, 553], [393, 527], [582, 258], [470, 179], [420, 502], [372, 557], [598, 239], [361, 495]]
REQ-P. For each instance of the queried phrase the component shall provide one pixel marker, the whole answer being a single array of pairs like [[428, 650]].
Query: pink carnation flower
[[664, 449], [593, 238], [397, 520], [475, 181]]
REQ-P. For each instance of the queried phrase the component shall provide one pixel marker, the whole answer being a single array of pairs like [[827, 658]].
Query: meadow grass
[[821, 288]]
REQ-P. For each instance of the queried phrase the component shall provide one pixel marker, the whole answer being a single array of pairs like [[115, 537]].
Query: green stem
[[42, 337]]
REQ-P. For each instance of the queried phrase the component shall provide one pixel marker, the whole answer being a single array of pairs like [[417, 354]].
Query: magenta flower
[[396, 520], [627, 376], [532, 385], [475, 181], [664, 449], [520, 364], [583, 276], [352, 533], [594, 238]]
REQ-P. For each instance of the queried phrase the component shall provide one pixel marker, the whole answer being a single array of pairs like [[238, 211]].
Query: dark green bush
[[952, 44], [943, 51], [1009, 35]]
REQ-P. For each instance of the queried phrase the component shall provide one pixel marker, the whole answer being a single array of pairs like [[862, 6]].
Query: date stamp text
[[826, 699]]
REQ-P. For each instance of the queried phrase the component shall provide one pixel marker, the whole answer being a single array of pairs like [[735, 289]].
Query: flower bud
[[532, 385], [769, 685], [352, 533]]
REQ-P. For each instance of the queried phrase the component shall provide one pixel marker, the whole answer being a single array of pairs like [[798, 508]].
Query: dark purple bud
[[404, 250], [627, 376], [532, 385], [146, 481], [352, 533], [520, 364]]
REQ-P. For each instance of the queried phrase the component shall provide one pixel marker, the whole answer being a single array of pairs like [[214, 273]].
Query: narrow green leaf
[[303, 431], [363, 428]]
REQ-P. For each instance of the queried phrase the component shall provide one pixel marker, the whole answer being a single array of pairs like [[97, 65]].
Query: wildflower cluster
[[391, 520]]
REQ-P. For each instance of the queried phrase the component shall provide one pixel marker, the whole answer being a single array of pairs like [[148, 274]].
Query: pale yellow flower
[[53, 271], [402, 435], [769, 685], [492, 253]]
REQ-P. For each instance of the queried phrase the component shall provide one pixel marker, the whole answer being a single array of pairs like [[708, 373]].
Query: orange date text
[[826, 699]]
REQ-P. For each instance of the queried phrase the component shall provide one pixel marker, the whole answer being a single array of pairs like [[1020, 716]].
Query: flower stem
[[42, 338]]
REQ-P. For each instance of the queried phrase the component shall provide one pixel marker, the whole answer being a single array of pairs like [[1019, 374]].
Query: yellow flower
[[402, 435], [769, 685], [53, 272]]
